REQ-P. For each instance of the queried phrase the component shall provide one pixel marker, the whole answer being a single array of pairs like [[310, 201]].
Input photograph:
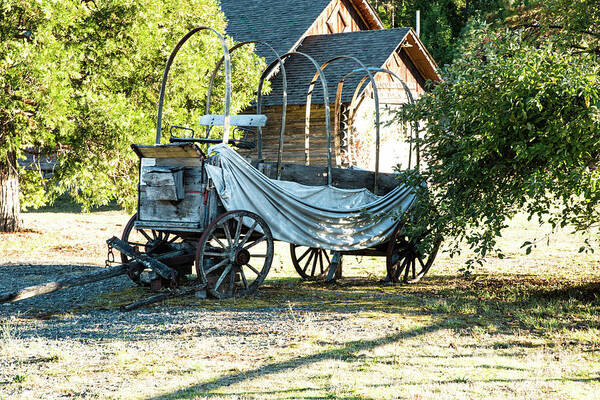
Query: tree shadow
[[340, 352]]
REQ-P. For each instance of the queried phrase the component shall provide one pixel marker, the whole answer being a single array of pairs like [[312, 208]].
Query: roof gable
[[279, 23]]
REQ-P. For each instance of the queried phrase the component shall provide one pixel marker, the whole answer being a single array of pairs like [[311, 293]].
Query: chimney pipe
[[418, 24]]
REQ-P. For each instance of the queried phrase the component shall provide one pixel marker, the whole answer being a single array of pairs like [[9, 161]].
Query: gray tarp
[[315, 216]]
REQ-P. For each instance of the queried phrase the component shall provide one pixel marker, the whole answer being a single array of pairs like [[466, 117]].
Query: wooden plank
[[82, 279], [186, 291], [170, 150], [163, 183], [179, 162], [341, 178], [235, 120]]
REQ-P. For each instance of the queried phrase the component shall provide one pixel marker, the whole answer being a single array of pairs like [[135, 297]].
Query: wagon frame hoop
[[375, 89], [323, 80], [163, 86], [336, 120]]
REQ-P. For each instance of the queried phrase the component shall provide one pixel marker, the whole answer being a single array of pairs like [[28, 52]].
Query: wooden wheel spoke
[[244, 280], [407, 269], [327, 257], [314, 266], [249, 233], [213, 236], [257, 241], [304, 254], [421, 262], [312, 254], [144, 234], [399, 270], [321, 260], [216, 266], [223, 275], [414, 272], [253, 269], [173, 239], [215, 254], [225, 227], [238, 230]]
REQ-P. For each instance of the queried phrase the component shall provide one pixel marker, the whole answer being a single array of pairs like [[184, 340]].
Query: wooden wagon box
[[174, 190]]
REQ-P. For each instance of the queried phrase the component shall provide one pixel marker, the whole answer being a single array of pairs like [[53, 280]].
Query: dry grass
[[522, 327]]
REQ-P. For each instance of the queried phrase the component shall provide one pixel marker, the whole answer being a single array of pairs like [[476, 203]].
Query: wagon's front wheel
[[408, 260], [234, 254], [150, 242]]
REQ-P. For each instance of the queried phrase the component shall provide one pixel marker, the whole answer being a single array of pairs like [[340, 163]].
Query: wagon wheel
[[405, 261], [148, 241], [311, 263], [234, 254]]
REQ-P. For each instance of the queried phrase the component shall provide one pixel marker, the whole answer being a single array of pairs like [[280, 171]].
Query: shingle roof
[[373, 48], [280, 23]]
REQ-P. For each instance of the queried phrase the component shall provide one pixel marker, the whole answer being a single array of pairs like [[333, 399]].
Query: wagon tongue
[[157, 266]]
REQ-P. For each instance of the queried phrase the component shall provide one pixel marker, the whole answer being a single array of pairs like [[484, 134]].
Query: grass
[[525, 327]]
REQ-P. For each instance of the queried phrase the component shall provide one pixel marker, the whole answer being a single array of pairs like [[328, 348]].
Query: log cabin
[[325, 29]]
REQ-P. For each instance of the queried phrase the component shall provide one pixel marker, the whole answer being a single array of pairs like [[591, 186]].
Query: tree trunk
[[10, 207]]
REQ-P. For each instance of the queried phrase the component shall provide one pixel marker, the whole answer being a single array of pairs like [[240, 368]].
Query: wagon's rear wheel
[[148, 241], [311, 263], [408, 260], [234, 254]]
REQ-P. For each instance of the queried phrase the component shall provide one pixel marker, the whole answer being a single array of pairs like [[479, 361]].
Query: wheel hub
[[242, 257]]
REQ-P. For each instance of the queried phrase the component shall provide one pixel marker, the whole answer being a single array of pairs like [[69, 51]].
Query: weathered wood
[[171, 150], [82, 279], [176, 162], [78, 280], [163, 183], [234, 120], [341, 178], [147, 261], [197, 208], [163, 296]]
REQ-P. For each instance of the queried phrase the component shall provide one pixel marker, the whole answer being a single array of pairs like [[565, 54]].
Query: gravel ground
[[60, 346], [16, 276]]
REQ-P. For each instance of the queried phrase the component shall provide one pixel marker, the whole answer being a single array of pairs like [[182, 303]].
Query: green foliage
[[514, 126], [83, 78], [442, 21]]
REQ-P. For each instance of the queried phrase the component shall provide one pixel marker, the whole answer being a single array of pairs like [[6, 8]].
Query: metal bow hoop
[[227, 58], [323, 81], [408, 95], [337, 109], [277, 61]]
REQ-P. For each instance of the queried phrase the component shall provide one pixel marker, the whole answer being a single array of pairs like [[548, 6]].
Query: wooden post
[[162, 296], [64, 283]]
